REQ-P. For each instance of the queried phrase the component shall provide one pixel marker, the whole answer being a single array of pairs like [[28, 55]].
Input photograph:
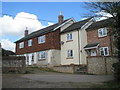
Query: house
[[66, 42], [58, 44], [100, 43], [73, 39], [42, 47]]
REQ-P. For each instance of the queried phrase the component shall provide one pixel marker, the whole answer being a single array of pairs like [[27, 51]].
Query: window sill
[[102, 36], [69, 58], [41, 59], [69, 40]]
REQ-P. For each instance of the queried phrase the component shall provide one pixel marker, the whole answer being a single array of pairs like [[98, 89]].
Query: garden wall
[[100, 65], [13, 64]]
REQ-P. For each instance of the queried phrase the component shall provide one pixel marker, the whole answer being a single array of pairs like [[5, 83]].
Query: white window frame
[[30, 42], [69, 36], [21, 45], [42, 53], [103, 32], [69, 55], [41, 39], [102, 49]]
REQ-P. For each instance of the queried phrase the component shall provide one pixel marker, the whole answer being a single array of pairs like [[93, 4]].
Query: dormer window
[[30, 42], [21, 45], [69, 36], [102, 32], [41, 39]]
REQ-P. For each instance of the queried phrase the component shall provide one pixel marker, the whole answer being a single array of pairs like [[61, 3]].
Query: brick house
[[42, 47], [100, 43]]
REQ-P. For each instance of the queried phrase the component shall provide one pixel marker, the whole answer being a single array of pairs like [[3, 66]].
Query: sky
[[16, 16]]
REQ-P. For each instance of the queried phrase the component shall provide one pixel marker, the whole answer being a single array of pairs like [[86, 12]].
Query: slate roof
[[40, 32], [91, 45], [76, 25], [100, 24]]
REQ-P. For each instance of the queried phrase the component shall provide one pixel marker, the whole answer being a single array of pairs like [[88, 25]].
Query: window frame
[[69, 36], [21, 45], [40, 55], [103, 50], [103, 32], [30, 42], [39, 39], [70, 53]]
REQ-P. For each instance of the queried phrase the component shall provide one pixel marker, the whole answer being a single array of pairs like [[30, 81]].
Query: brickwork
[[92, 37], [52, 41]]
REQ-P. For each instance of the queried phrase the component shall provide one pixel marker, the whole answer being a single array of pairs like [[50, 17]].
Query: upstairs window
[[69, 53], [69, 36], [21, 45], [30, 42], [41, 39], [102, 32], [42, 55], [104, 51]]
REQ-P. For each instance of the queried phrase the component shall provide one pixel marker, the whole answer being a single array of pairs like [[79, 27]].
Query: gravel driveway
[[53, 80]]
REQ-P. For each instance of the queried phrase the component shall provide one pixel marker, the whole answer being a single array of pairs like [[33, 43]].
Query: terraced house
[[64, 43]]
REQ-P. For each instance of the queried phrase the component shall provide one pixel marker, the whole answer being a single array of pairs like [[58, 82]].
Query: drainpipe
[[79, 46]]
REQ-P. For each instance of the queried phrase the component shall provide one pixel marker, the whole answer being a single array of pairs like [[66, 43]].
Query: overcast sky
[[34, 15]]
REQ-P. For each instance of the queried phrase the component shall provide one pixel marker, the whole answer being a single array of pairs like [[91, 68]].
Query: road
[[53, 80]]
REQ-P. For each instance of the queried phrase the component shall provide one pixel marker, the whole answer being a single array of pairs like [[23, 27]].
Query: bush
[[116, 67]]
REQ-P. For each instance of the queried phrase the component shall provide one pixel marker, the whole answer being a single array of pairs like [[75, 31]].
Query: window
[[102, 32], [104, 51], [42, 55], [21, 45], [30, 42], [69, 53], [41, 39], [69, 36]]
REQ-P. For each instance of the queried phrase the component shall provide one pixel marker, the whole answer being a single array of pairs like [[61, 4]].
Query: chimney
[[60, 18], [26, 32]]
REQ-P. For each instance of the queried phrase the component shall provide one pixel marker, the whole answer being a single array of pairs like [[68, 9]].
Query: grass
[[109, 84]]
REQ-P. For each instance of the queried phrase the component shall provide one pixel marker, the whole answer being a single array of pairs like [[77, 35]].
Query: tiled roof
[[40, 32], [100, 24], [76, 25]]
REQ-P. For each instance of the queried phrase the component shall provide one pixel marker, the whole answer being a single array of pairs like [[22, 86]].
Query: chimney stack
[[26, 32], [60, 18]]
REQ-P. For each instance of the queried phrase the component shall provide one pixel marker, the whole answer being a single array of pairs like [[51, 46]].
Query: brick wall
[[92, 37], [52, 42]]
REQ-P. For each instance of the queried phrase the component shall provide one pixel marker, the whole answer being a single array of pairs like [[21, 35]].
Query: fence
[[101, 65], [13, 64]]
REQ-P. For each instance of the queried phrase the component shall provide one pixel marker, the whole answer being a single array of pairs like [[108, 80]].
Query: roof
[[92, 45], [7, 52], [41, 31], [76, 25], [100, 24]]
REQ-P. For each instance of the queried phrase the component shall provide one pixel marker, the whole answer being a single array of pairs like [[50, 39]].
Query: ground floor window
[[104, 51], [42, 55], [69, 53]]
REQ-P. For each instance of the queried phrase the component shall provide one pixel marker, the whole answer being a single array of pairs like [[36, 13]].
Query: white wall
[[73, 45]]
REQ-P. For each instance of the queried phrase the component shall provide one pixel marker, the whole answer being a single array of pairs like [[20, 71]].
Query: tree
[[113, 8]]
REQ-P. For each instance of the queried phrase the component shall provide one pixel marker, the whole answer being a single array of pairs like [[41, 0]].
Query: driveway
[[53, 80]]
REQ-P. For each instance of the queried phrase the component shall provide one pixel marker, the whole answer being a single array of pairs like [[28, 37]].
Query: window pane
[[106, 51]]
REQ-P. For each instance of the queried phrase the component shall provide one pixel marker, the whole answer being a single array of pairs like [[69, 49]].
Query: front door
[[30, 59], [93, 52]]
